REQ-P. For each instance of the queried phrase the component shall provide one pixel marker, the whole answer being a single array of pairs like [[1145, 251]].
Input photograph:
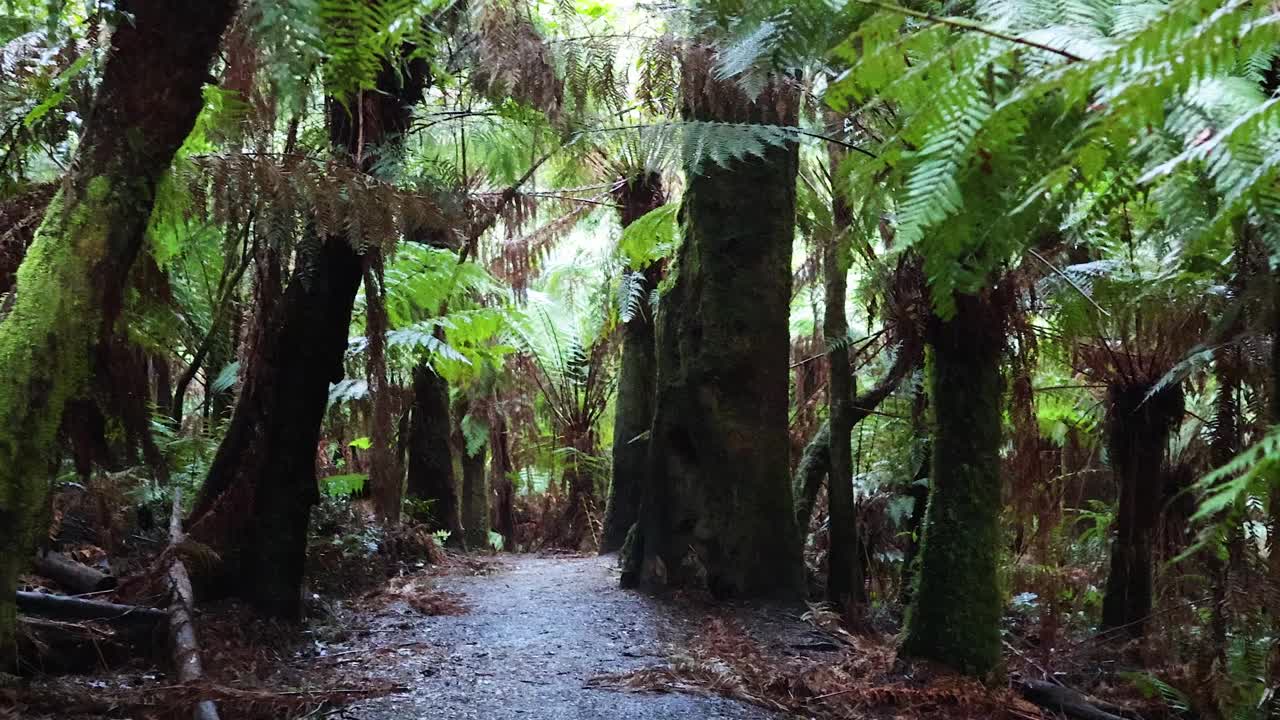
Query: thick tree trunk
[[163, 382], [475, 499], [255, 505], [955, 612], [1138, 432], [716, 509], [431, 453], [256, 502], [633, 406], [70, 286]]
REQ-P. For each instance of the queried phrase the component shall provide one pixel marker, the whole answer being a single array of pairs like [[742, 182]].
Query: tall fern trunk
[[431, 474], [954, 617], [716, 509], [846, 571], [70, 286], [1137, 434], [255, 505], [576, 529], [633, 407]]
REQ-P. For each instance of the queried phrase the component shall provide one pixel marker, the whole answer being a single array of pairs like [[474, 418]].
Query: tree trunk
[[846, 571], [431, 453], [955, 612], [70, 286], [256, 503], [504, 520], [1138, 432], [475, 499], [815, 462], [163, 382], [386, 479], [633, 406], [716, 509]]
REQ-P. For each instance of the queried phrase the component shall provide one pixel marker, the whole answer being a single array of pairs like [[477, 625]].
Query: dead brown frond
[[421, 595], [513, 59]]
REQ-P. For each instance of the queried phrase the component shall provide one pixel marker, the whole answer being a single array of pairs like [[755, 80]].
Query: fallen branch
[[69, 608], [182, 628], [1071, 703], [76, 578]]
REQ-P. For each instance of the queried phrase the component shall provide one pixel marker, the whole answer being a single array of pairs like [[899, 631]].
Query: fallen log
[[62, 607], [1071, 703], [76, 578], [182, 629]]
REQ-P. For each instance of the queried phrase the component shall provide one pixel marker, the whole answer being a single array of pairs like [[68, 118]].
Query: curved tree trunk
[[633, 407], [716, 508], [70, 286], [955, 612], [815, 462], [431, 474], [1138, 432], [255, 504]]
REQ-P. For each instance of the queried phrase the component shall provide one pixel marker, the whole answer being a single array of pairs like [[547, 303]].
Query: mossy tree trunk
[[716, 509], [255, 505], [431, 474], [1137, 435], [70, 286], [633, 406], [954, 617]]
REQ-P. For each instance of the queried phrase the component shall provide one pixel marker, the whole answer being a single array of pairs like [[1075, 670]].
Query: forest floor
[[535, 635]]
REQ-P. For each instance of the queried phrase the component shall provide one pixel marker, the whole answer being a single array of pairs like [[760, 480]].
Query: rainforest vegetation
[[629, 358]]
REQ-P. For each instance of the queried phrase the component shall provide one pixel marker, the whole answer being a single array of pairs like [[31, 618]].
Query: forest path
[[536, 632]]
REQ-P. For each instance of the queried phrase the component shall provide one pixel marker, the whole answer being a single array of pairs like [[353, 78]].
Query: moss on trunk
[[955, 612], [716, 509], [70, 286], [1137, 435]]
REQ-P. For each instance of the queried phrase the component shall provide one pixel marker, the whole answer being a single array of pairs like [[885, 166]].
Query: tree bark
[[431, 474], [504, 520], [716, 509], [846, 571], [70, 286], [633, 406], [1138, 432], [255, 505], [955, 612], [73, 577], [475, 499], [815, 462]]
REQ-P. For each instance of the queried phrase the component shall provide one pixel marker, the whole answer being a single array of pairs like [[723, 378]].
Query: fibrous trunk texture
[[431, 452], [1138, 431], [716, 509], [633, 407], [70, 286], [954, 617]]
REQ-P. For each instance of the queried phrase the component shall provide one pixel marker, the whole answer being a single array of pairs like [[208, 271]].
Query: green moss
[[46, 344], [955, 613]]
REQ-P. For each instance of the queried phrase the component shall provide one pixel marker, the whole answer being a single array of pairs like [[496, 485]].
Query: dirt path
[[536, 632]]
